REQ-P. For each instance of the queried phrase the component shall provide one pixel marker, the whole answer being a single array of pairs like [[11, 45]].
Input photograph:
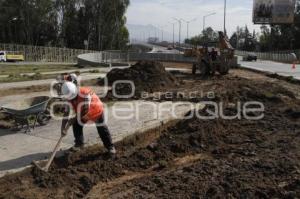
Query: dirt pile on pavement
[[147, 76], [192, 158]]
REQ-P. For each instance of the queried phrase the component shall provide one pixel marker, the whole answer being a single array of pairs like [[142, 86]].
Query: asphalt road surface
[[273, 67]]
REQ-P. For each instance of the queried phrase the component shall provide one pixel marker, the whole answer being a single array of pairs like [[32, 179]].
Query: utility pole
[[179, 21], [225, 6], [204, 19]]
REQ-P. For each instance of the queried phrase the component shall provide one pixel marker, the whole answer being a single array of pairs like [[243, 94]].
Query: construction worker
[[213, 54], [88, 108], [71, 78], [63, 78]]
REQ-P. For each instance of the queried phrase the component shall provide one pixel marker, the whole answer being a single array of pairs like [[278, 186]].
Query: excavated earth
[[190, 158], [147, 76]]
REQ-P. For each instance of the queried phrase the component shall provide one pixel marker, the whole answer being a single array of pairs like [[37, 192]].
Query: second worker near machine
[[87, 108]]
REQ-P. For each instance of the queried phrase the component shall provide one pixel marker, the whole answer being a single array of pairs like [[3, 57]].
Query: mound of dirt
[[146, 76], [225, 89]]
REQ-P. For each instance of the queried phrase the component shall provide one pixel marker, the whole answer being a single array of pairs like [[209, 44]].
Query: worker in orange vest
[[88, 108]]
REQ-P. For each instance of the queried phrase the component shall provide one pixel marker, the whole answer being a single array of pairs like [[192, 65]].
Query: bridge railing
[[125, 57]]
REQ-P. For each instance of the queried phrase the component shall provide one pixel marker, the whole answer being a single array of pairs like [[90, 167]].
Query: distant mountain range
[[143, 32]]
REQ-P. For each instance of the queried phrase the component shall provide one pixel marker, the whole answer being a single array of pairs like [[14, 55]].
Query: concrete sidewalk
[[273, 67], [18, 150]]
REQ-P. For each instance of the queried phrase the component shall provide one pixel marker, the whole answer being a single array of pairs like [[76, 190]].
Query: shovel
[[46, 168]]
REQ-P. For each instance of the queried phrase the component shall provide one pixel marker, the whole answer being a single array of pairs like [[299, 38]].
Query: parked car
[[250, 57], [170, 47]]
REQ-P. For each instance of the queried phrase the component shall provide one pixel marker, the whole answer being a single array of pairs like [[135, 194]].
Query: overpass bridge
[[110, 57]]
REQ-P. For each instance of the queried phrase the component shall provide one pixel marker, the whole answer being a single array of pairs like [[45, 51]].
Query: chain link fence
[[45, 54]]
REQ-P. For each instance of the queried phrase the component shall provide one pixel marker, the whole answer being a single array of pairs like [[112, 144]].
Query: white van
[[2, 56]]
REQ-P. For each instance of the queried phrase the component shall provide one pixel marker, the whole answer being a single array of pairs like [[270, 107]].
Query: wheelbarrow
[[22, 112]]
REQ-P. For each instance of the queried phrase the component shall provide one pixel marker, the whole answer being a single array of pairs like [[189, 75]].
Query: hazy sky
[[160, 12]]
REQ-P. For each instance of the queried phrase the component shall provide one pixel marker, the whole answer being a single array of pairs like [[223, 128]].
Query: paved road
[[158, 49], [273, 67]]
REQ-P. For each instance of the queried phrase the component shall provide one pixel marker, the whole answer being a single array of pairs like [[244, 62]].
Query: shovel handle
[[46, 168], [53, 153]]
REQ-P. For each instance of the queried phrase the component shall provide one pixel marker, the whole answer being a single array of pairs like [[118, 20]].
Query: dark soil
[[146, 76], [191, 158]]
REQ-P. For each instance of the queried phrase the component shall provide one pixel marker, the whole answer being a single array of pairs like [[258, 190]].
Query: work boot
[[112, 150], [111, 153], [76, 147]]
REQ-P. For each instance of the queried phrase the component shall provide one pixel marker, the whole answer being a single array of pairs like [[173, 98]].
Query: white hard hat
[[73, 77], [69, 90]]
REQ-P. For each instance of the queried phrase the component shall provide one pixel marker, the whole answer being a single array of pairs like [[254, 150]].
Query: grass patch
[[15, 69], [21, 78]]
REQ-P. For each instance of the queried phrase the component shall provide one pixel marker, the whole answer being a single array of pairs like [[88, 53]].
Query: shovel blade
[[35, 164]]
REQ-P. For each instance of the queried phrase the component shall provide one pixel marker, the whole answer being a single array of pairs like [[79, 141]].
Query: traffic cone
[[294, 66]]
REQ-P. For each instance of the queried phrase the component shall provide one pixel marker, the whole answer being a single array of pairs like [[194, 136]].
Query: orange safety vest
[[96, 106]]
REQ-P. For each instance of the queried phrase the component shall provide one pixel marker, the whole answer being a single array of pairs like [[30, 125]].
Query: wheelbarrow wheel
[[43, 119]]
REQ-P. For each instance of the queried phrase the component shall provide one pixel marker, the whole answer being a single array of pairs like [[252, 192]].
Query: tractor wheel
[[224, 67], [194, 70], [204, 69]]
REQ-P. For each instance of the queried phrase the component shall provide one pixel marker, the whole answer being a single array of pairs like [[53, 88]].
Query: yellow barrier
[[15, 57]]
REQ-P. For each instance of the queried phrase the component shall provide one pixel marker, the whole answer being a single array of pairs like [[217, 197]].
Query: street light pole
[[162, 32], [179, 21], [187, 26], [173, 24], [15, 27], [204, 19], [225, 6]]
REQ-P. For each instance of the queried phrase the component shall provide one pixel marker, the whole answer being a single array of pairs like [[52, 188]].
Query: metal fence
[[88, 57], [45, 54], [281, 56]]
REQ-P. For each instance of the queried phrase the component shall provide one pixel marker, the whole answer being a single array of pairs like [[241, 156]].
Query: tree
[[28, 22], [65, 23], [208, 35], [242, 39]]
